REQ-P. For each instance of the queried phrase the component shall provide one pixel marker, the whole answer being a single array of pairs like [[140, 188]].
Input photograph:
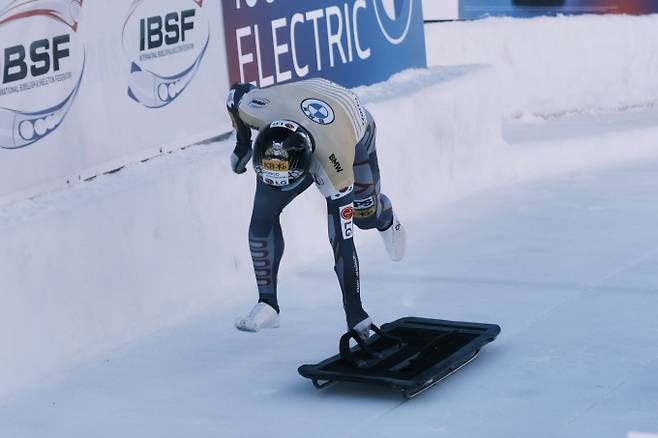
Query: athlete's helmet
[[282, 153]]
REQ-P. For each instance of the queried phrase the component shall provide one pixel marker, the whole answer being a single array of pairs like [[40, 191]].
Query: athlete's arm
[[340, 224], [242, 151]]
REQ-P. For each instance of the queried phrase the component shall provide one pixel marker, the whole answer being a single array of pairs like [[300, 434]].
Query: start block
[[410, 354]]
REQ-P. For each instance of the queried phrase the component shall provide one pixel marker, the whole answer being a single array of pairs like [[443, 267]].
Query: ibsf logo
[[165, 41], [394, 18], [41, 68]]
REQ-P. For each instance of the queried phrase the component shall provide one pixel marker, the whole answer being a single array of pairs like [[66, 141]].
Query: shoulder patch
[[318, 111], [259, 102]]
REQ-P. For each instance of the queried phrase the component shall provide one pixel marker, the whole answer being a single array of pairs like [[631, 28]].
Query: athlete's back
[[332, 114]]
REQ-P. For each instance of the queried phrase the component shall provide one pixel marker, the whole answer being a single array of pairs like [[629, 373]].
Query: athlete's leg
[[266, 237], [372, 209], [340, 217]]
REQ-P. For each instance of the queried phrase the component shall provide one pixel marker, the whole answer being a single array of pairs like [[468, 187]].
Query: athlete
[[310, 131]]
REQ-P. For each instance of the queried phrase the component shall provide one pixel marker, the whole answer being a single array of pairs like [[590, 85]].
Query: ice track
[[568, 266]]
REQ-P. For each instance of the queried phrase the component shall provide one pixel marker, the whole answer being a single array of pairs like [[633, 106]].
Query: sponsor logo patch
[[336, 163], [274, 178], [318, 111], [346, 223], [364, 213], [364, 204], [347, 213], [292, 126], [277, 149], [259, 102], [276, 165], [364, 208]]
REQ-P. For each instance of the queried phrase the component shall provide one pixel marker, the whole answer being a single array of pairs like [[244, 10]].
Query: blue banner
[[352, 42]]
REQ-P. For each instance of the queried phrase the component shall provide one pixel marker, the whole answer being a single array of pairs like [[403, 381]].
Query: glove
[[235, 95], [240, 157], [242, 152]]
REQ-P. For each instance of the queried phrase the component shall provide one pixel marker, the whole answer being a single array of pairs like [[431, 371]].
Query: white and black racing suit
[[344, 168]]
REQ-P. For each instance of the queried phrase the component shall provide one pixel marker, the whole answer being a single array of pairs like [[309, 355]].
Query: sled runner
[[410, 354]]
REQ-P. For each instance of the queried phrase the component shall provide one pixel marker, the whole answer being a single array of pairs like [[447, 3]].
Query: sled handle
[[345, 351]]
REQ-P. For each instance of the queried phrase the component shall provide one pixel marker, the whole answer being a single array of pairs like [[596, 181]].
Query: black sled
[[410, 354]]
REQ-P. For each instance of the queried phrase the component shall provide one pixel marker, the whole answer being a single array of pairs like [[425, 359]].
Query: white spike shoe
[[395, 240], [363, 328], [261, 316]]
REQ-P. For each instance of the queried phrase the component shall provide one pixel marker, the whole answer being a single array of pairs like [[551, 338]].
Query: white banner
[[87, 86]]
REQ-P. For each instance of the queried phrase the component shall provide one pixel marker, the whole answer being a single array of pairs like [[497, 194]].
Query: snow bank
[[549, 66], [440, 140], [87, 268]]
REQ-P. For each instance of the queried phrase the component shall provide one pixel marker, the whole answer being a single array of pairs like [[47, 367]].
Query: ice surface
[[568, 267]]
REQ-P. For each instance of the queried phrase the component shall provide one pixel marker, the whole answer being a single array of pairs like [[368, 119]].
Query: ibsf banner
[[87, 86], [471, 9], [352, 42], [165, 51], [42, 67]]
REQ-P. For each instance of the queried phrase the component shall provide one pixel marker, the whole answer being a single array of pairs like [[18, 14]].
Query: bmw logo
[[394, 18], [318, 111]]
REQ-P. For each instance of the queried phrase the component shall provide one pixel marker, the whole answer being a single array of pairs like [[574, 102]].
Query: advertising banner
[[352, 42], [472, 9], [43, 65], [87, 85]]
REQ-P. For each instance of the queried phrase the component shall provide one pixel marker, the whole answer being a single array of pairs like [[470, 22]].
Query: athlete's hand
[[242, 131], [235, 95], [240, 157], [242, 152]]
